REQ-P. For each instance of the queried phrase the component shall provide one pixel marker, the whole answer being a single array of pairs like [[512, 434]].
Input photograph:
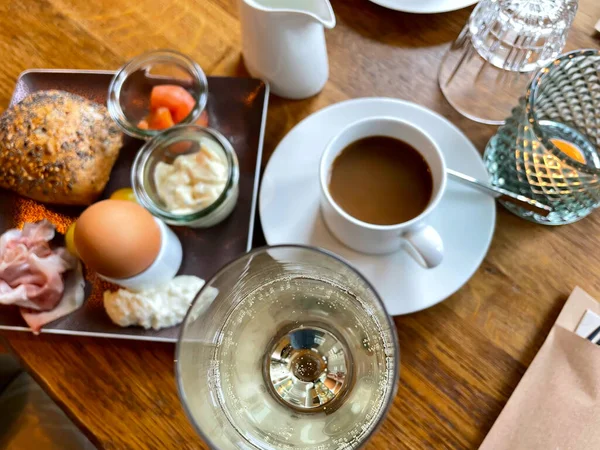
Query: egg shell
[[117, 238]]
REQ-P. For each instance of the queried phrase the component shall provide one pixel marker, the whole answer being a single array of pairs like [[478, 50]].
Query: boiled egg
[[117, 238]]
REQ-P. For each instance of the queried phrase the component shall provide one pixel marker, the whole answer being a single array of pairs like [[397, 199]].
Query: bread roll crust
[[57, 147]]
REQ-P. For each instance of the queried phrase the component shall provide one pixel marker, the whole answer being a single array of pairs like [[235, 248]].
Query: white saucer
[[290, 213], [425, 6]]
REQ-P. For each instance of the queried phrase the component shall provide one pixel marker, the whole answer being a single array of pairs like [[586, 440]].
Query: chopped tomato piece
[[160, 119], [179, 101], [169, 104], [203, 119]]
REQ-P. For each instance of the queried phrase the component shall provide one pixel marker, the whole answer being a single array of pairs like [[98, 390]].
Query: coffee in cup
[[380, 179]]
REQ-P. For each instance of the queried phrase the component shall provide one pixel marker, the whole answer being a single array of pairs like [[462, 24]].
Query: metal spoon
[[502, 194]]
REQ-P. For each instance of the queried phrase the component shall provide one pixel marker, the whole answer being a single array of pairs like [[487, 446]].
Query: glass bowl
[[287, 347], [129, 90], [164, 148], [549, 148]]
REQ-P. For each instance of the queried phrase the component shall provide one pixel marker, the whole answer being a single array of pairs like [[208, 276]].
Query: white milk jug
[[284, 43]]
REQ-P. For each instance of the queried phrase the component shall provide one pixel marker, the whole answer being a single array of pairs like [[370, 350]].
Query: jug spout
[[319, 10]]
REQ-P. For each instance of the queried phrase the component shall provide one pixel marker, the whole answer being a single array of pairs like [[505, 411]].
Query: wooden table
[[460, 359]]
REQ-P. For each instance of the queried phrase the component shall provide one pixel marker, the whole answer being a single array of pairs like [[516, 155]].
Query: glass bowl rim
[[113, 103], [531, 97], [143, 155], [391, 325]]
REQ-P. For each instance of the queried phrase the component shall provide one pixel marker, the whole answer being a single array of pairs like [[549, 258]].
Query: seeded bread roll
[[57, 147]]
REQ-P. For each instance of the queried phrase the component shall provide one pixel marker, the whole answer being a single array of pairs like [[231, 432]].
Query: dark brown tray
[[237, 107]]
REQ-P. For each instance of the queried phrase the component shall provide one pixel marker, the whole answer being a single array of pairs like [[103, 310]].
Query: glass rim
[[531, 97], [143, 156], [166, 56], [391, 325]]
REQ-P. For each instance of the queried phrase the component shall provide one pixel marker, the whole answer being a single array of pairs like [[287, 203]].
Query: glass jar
[[129, 91], [158, 194]]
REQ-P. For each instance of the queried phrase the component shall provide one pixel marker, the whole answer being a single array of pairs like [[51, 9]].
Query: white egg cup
[[162, 270]]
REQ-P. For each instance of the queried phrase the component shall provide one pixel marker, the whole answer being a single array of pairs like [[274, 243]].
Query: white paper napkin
[[588, 323]]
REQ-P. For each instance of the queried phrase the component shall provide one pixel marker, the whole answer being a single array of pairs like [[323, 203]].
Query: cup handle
[[427, 244]]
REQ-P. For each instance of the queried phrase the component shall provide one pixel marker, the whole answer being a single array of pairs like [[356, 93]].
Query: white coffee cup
[[421, 240]]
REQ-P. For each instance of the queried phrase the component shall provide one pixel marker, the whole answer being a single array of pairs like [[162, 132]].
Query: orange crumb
[[27, 210]]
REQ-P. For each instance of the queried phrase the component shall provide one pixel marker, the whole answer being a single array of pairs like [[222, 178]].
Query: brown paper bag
[[556, 404]]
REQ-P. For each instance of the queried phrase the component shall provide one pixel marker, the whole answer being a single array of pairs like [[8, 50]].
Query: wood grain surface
[[460, 359]]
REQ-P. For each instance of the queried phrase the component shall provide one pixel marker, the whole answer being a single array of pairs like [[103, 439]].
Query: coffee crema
[[381, 180]]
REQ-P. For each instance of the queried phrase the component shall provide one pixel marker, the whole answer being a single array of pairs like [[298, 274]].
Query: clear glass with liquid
[[287, 348]]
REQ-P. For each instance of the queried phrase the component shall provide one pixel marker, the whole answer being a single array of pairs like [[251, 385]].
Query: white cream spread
[[156, 308], [194, 181]]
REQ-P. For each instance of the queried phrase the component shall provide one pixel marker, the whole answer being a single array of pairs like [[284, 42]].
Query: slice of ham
[[30, 271], [31, 275], [72, 299]]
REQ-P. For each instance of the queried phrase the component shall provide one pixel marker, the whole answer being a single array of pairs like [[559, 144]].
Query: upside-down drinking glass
[[503, 43], [548, 148], [287, 347]]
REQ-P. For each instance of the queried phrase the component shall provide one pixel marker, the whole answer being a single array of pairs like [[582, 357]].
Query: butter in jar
[[187, 175], [193, 181]]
